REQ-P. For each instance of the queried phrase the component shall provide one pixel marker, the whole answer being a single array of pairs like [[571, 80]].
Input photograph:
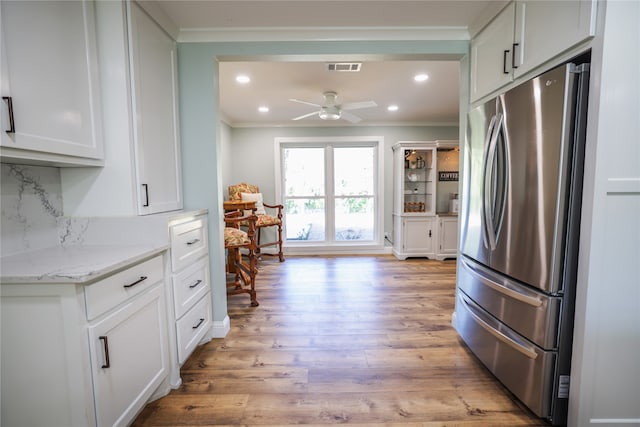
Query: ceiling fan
[[332, 111]]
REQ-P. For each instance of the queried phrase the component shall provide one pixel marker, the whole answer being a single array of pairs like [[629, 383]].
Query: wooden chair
[[244, 191], [236, 239]]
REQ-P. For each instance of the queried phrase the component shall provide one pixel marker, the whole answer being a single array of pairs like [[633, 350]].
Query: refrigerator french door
[[519, 235]]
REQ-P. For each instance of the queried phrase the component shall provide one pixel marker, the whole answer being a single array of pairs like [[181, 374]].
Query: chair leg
[[253, 270], [280, 253], [259, 230]]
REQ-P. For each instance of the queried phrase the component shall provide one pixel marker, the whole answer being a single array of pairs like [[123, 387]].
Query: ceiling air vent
[[344, 66]]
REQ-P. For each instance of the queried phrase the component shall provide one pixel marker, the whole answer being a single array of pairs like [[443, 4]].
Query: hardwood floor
[[341, 340]]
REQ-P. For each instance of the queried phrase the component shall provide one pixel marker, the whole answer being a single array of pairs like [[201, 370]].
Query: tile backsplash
[[31, 203]]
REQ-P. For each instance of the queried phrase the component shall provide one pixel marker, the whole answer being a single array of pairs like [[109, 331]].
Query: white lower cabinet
[[190, 315], [414, 236], [128, 358], [70, 360], [447, 237]]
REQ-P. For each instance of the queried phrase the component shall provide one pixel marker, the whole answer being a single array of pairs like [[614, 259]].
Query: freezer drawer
[[532, 314], [522, 367]]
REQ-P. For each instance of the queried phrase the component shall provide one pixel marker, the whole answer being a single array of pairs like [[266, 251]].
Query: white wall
[[253, 153], [605, 388]]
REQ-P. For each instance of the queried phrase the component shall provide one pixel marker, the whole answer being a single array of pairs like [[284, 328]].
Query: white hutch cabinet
[[418, 230], [414, 199], [51, 104]]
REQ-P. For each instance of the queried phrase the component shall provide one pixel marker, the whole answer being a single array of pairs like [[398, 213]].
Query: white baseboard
[[334, 250], [221, 328]]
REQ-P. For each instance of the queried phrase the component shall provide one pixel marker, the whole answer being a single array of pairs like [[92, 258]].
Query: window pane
[[304, 219], [304, 172], [354, 218], [354, 171]]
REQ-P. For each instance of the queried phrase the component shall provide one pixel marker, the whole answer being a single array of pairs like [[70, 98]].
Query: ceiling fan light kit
[[332, 111], [329, 113]]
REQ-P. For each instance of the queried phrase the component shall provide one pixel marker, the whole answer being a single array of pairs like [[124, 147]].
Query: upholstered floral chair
[[236, 240], [244, 191]]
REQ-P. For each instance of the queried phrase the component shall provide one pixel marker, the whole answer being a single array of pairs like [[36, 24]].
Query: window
[[329, 188]]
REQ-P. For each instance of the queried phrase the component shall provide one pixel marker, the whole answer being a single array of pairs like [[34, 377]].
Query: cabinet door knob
[[513, 55], [199, 323]]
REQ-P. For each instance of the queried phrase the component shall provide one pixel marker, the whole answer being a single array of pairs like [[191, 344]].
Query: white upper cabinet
[[525, 35], [51, 109], [490, 52], [141, 174], [154, 96]]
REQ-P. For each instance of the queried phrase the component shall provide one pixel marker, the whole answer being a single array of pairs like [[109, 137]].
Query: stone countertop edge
[[80, 264]]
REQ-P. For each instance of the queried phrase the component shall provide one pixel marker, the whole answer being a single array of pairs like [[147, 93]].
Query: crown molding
[[288, 34]]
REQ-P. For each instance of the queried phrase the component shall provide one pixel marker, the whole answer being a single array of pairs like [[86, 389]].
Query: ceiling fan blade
[[305, 102], [305, 115], [358, 105], [350, 117]]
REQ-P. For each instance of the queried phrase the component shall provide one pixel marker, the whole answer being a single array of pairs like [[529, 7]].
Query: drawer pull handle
[[195, 284], [192, 242], [141, 279], [12, 124], [146, 195], [199, 323], [105, 343], [504, 61]]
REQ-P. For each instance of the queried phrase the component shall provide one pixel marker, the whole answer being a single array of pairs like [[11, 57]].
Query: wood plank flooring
[[358, 340]]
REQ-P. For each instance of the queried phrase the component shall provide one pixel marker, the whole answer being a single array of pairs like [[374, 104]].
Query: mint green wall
[[199, 116]]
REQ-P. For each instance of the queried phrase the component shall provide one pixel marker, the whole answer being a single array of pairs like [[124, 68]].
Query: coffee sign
[[447, 176]]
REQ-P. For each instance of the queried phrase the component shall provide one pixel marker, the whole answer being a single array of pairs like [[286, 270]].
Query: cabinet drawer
[[190, 285], [188, 242], [108, 293], [192, 327]]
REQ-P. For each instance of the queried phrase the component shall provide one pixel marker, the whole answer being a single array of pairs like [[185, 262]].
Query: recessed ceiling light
[[392, 107], [243, 78], [263, 109], [421, 77]]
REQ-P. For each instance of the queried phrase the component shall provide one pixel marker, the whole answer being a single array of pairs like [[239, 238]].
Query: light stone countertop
[[80, 264]]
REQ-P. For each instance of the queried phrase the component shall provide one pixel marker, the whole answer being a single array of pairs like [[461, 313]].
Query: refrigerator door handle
[[525, 350], [489, 185], [502, 179], [485, 159], [511, 293]]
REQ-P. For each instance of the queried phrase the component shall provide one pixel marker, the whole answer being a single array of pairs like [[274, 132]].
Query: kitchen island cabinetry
[[51, 104], [524, 36], [83, 354]]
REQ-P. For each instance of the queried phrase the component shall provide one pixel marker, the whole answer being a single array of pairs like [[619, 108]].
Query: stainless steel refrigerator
[[520, 221]]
